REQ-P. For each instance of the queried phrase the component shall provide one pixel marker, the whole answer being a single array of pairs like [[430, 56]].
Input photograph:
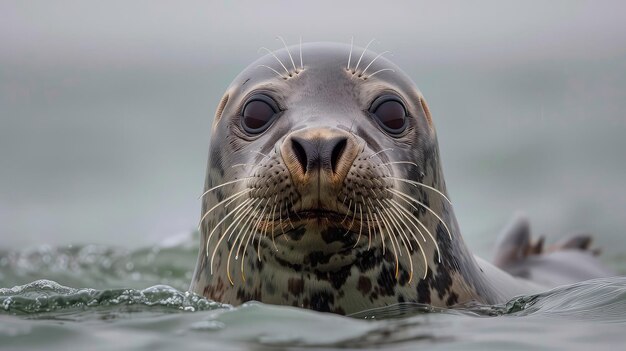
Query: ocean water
[[111, 298]]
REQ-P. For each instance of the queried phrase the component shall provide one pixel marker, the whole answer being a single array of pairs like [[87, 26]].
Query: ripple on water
[[43, 313]]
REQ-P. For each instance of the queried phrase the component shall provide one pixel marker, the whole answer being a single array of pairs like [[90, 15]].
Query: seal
[[324, 190]]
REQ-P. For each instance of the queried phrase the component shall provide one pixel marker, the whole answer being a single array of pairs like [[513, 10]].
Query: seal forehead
[[344, 78], [323, 62]]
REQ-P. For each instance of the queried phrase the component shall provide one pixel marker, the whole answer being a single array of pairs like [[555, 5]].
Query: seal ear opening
[[426, 111], [220, 109]]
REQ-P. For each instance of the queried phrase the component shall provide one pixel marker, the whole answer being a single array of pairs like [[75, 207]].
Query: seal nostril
[[338, 150], [300, 153]]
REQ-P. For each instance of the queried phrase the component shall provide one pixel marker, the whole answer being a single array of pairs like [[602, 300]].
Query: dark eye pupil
[[257, 114], [391, 114]]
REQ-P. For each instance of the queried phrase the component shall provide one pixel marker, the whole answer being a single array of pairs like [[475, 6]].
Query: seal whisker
[[379, 226], [223, 184], [424, 227], [263, 232], [289, 53], [375, 58], [234, 224], [379, 71], [247, 227], [347, 212], [277, 59], [398, 162], [369, 226], [360, 58], [273, 212], [397, 206], [398, 214], [411, 219], [426, 207], [393, 244], [231, 198], [260, 153], [253, 233], [275, 71], [393, 216], [360, 227], [222, 237], [353, 214], [379, 152], [414, 183], [369, 232], [294, 207], [248, 219]]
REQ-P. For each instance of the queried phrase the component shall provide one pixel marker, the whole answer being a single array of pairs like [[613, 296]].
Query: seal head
[[324, 190]]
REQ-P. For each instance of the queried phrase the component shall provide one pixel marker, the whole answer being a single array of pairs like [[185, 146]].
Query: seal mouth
[[318, 214]]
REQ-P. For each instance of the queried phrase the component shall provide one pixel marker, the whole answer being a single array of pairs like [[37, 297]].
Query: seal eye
[[257, 114], [390, 113]]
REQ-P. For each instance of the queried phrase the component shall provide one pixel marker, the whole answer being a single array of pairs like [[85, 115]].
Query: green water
[[97, 297]]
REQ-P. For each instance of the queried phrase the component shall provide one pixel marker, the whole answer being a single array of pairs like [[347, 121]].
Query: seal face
[[324, 190]]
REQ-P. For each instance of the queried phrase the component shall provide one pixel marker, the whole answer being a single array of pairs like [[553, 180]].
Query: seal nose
[[319, 153]]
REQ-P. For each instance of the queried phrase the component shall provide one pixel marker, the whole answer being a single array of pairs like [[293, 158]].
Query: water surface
[[102, 298]]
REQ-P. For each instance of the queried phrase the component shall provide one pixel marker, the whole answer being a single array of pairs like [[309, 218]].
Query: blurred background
[[105, 108]]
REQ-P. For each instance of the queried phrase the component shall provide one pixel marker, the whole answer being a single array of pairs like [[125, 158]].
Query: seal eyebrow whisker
[[277, 59], [289, 53], [301, 65], [375, 58], [360, 58], [414, 183], [379, 71], [350, 54], [275, 71]]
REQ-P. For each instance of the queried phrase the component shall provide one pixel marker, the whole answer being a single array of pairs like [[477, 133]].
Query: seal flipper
[[514, 243], [569, 260]]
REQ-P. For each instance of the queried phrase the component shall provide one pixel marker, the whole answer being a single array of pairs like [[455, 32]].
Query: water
[[101, 297]]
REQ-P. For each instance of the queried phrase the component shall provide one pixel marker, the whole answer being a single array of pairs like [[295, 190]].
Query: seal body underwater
[[324, 190]]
